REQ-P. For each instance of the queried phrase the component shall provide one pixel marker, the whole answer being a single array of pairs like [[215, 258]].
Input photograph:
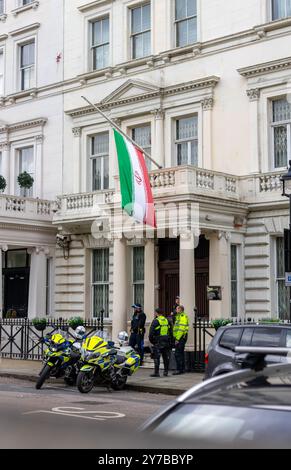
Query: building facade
[[31, 136], [203, 86]]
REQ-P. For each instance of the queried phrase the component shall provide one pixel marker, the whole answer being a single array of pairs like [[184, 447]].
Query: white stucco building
[[204, 87]]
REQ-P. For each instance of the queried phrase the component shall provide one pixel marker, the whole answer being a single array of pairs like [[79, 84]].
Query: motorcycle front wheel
[[85, 381], [42, 377]]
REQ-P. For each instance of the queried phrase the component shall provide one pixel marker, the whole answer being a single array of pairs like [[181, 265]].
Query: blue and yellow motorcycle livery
[[60, 359], [103, 364]]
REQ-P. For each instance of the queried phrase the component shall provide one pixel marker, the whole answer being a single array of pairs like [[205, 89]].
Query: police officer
[[160, 339], [137, 330], [180, 334]]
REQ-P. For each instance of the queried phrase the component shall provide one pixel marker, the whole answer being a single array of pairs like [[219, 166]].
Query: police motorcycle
[[103, 363], [61, 357]]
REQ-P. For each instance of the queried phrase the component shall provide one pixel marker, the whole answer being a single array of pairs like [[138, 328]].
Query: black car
[[249, 408], [220, 355]]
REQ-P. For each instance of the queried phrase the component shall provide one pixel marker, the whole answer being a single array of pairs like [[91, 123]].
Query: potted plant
[[75, 321], [2, 184], [11, 313], [25, 181], [220, 322], [39, 323]]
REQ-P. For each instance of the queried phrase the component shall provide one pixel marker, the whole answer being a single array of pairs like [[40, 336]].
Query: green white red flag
[[137, 198]]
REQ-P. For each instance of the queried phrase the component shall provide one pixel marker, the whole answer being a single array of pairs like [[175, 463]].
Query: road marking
[[80, 413]]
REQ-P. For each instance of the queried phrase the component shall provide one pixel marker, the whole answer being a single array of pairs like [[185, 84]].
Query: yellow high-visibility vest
[[181, 326], [163, 325]]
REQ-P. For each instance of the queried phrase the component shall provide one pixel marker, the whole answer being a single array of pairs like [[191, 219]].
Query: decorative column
[[149, 278], [207, 106], [159, 137], [187, 277], [37, 283], [38, 190], [76, 157], [5, 150], [254, 96], [120, 288], [219, 274]]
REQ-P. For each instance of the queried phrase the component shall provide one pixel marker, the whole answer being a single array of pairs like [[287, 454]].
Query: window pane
[[182, 33], [139, 294], [146, 17], [16, 259], [26, 162], [233, 271], [280, 146], [187, 128], [106, 172], [280, 257], [288, 7], [283, 301], [142, 136], [191, 7], [101, 57], [182, 154], [100, 300], [101, 265], [281, 110], [27, 54], [181, 9], [138, 264], [136, 20], [1, 7], [269, 337], [100, 144], [146, 44], [194, 153], [96, 174], [192, 30], [279, 9], [100, 31], [137, 46], [246, 337]]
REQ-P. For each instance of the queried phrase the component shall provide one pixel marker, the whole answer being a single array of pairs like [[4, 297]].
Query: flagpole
[[112, 123]]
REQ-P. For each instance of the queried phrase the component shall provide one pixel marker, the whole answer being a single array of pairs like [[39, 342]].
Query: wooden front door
[[202, 277], [16, 287]]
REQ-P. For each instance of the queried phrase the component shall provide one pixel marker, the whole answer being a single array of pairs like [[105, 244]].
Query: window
[[141, 31], [26, 163], [142, 136], [185, 22], [1, 72], [230, 338], [100, 161], [27, 65], [48, 286], [268, 337], [100, 284], [246, 337], [281, 128], [281, 9], [2, 7], [100, 43], [138, 275], [283, 295], [234, 280], [187, 141]]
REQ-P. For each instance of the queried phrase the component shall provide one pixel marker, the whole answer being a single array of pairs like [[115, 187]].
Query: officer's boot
[[157, 373]]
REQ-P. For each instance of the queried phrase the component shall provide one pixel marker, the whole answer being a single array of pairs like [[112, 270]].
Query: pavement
[[141, 381]]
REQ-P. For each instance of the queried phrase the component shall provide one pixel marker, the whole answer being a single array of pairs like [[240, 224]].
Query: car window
[[230, 338], [246, 337], [269, 337], [288, 339]]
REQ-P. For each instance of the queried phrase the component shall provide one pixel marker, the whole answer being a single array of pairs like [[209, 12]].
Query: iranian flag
[[137, 198]]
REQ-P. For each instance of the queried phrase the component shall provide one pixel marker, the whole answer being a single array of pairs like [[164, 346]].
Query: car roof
[[256, 325], [223, 382]]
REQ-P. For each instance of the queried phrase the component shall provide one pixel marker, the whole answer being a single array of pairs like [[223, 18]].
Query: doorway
[[168, 273], [16, 283]]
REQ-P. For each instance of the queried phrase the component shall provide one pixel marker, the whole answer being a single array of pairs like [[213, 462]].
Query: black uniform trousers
[[180, 354], [161, 349]]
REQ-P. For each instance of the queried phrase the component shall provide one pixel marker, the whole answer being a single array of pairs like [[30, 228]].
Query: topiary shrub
[[75, 321], [25, 181], [220, 322], [39, 323], [3, 184]]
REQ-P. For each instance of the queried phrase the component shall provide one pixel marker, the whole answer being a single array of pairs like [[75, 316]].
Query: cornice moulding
[[29, 6], [209, 82], [3, 37], [24, 125], [92, 5], [266, 67], [24, 30]]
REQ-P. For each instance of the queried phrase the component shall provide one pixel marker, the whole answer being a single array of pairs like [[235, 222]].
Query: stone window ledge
[[30, 6]]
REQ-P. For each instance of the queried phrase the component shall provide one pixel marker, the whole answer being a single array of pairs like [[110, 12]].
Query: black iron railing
[[21, 339]]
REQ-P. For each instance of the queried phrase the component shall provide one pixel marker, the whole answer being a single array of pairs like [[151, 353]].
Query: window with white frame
[[138, 274], [283, 293], [141, 31], [22, 3], [187, 141], [281, 130], [142, 136], [27, 65], [281, 9], [1, 71], [100, 43], [48, 286], [100, 281], [234, 279], [100, 161], [185, 22], [25, 163], [2, 7]]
